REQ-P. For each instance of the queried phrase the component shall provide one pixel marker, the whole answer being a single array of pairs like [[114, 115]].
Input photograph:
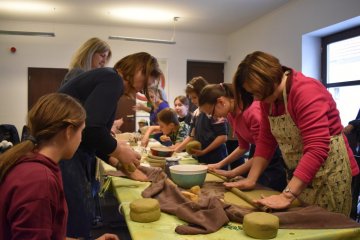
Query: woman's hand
[[280, 201], [108, 236], [244, 184], [128, 157]]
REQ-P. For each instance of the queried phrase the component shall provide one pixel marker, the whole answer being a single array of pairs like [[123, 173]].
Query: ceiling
[[205, 16]]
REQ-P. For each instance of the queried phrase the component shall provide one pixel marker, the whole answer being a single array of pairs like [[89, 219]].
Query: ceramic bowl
[[187, 176], [161, 151], [156, 162]]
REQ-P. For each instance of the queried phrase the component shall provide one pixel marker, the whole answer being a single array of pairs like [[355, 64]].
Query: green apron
[[331, 186]]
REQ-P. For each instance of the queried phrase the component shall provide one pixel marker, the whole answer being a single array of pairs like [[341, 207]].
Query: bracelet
[[288, 190]]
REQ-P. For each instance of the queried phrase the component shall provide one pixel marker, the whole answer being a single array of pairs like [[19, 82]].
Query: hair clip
[[190, 85]]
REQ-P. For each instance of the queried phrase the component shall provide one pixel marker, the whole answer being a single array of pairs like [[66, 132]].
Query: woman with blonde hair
[[32, 196], [94, 53], [99, 91], [299, 115]]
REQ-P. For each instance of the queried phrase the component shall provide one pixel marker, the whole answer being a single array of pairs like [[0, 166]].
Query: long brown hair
[[212, 92], [50, 114], [259, 71], [129, 65]]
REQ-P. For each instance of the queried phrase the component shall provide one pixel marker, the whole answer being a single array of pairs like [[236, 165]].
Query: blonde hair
[[129, 65], [261, 72], [50, 114], [83, 56]]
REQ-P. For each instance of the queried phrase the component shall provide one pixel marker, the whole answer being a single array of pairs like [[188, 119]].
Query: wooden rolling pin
[[246, 198], [219, 176]]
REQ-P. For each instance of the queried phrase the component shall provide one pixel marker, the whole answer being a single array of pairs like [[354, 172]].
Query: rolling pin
[[246, 198], [219, 176]]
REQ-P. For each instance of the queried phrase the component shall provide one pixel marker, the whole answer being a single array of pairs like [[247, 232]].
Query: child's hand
[[224, 173], [198, 152], [214, 166], [165, 138], [144, 141]]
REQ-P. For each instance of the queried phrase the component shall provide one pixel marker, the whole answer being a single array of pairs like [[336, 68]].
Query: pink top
[[314, 112], [246, 125]]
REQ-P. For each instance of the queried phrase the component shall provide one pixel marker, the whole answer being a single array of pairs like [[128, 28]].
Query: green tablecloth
[[127, 190]]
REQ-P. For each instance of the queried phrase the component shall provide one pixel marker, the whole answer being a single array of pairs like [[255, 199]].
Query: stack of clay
[[145, 210], [261, 225]]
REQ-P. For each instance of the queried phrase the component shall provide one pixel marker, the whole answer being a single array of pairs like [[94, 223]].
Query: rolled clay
[[145, 210], [261, 225]]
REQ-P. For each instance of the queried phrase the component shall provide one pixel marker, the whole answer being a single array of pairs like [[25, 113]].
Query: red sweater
[[246, 125], [314, 112], [32, 201]]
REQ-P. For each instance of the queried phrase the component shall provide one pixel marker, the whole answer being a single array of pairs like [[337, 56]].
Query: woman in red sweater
[[32, 201], [300, 116]]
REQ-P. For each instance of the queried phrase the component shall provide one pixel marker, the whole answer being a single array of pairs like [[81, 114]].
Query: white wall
[[280, 32], [56, 53]]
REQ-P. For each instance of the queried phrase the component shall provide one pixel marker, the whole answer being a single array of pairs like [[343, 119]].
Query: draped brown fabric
[[210, 213]]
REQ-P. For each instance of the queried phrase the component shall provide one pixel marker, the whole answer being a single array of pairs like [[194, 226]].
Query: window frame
[[325, 41]]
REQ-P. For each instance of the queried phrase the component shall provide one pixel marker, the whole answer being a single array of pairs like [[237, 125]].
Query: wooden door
[[212, 72], [125, 111], [42, 81]]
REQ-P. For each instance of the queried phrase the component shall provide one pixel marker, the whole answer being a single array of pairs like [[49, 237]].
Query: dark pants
[[78, 177], [274, 176]]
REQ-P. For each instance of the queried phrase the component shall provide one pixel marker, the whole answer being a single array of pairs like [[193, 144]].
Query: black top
[[187, 118], [98, 91]]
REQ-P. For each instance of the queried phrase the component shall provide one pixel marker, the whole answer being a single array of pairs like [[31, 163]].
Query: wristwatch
[[288, 190]]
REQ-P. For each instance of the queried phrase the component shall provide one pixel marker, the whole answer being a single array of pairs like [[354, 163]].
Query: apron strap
[[284, 78]]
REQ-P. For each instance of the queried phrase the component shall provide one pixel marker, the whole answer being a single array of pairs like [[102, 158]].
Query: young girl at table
[[212, 134], [158, 104], [173, 132], [218, 100], [181, 106], [299, 115], [33, 204]]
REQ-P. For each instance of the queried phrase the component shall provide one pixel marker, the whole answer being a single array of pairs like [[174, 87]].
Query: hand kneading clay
[[145, 210], [261, 225], [193, 145]]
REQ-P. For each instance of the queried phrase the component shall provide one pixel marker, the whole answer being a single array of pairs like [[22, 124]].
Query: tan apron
[[331, 186]]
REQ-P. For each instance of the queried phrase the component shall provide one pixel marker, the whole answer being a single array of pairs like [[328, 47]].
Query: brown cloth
[[210, 213]]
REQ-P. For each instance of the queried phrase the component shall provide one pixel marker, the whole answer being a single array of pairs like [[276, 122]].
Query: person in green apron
[[300, 116]]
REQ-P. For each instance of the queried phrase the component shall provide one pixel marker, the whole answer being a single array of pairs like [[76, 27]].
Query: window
[[341, 71]]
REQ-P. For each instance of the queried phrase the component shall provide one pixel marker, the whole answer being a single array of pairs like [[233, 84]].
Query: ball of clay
[[193, 145], [145, 210], [261, 225]]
